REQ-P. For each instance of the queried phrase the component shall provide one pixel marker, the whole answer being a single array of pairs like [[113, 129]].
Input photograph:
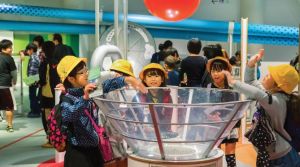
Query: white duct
[[102, 52]]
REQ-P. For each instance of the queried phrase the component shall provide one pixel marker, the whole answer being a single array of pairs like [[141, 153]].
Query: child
[[82, 140], [153, 75], [281, 80], [33, 70], [215, 67], [8, 77], [173, 75], [173, 52]]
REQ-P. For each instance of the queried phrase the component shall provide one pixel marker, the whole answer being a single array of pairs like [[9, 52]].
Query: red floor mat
[[51, 163]]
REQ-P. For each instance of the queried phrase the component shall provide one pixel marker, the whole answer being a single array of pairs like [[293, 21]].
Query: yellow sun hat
[[152, 66], [218, 58], [123, 66], [285, 76], [67, 64]]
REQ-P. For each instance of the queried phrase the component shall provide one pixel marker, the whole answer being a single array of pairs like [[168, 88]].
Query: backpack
[[292, 121], [56, 135], [262, 134]]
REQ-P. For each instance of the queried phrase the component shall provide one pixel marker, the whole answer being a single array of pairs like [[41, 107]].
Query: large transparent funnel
[[173, 123]]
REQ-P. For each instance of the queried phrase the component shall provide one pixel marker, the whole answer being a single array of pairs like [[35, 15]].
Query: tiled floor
[[23, 147]]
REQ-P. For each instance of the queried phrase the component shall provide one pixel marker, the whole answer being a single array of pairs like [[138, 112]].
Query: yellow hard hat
[[210, 62], [285, 76], [123, 66], [152, 66], [67, 64]]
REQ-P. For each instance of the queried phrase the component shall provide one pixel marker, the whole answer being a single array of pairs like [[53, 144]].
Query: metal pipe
[[46, 27], [21, 83], [230, 37], [244, 46], [244, 54], [116, 21], [97, 22], [151, 21], [125, 28], [157, 131], [157, 33]]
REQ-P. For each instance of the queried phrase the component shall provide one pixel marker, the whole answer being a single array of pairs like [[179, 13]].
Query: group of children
[[82, 141]]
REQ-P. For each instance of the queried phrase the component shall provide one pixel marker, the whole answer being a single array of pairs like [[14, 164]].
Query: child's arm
[[250, 69], [72, 111], [119, 82], [255, 93]]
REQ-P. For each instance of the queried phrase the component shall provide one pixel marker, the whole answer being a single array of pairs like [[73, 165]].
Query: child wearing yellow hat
[[82, 140], [271, 95], [154, 75], [214, 67]]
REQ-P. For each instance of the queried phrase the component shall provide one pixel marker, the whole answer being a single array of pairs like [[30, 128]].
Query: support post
[[244, 53]]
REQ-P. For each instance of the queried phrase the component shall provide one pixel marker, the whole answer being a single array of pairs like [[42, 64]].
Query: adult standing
[[194, 65], [8, 77], [157, 57], [61, 50], [48, 80]]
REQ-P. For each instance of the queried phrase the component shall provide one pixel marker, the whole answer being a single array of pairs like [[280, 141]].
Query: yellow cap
[[209, 63], [285, 76], [123, 66], [152, 66], [67, 64]]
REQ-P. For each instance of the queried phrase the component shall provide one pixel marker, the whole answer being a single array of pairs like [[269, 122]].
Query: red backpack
[[56, 135]]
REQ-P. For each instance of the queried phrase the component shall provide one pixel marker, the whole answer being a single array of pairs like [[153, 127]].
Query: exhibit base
[[214, 161]]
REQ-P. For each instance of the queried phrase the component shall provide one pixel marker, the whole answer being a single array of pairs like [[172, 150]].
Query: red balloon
[[172, 10]]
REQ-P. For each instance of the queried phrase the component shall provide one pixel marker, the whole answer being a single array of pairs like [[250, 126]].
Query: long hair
[[48, 48]]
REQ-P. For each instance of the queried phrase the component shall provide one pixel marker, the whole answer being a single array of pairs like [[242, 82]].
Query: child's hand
[[87, 89], [214, 117], [136, 84], [254, 59], [22, 55], [61, 87], [229, 77]]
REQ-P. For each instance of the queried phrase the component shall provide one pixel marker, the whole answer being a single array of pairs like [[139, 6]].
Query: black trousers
[[83, 157]]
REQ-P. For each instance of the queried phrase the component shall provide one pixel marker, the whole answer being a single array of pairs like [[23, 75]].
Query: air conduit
[[205, 30]]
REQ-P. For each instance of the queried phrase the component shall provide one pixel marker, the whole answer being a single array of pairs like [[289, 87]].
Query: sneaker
[[47, 145], [9, 129]]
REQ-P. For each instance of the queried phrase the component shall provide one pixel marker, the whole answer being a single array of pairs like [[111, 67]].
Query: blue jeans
[[291, 159]]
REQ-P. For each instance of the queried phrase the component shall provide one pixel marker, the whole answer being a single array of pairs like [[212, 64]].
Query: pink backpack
[[104, 144], [56, 136]]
